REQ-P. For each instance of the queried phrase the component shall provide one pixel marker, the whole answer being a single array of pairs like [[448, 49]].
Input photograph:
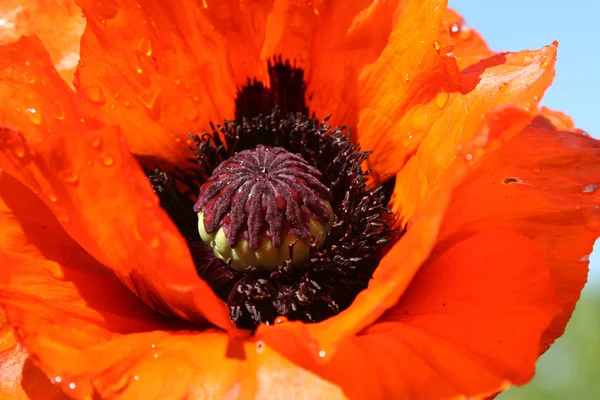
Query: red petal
[[161, 70], [468, 325], [97, 190], [543, 184], [41, 18]]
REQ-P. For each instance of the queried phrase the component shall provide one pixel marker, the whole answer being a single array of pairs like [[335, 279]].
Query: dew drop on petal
[[322, 353], [280, 320], [145, 47], [192, 114], [19, 150], [72, 385], [68, 176], [406, 79], [591, 218], [94, 94], [469, 157], [58, 379], [155, 243], [107, 160], [503, 86], [590, 188], [436, 45], [96, 142], [136, 378], [442, 99], [34, 116], [30, 78]]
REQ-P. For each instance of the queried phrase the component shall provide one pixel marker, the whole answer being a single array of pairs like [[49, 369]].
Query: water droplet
[[139, 70], [107, 160], [590, 188], [592, 218], [155, 243], [136, 378], [585, 258], [30, 77], [442, 99], [19, 149], [96, 142], [52, 197], [192, 114], [545, 63], [58, 379], [260, 346], [469, 157], [322, 353], [436, 45], [454, 28], [281, 319], [34, 116], [503, 86], [94, 94], [406, 79], [145, 47], [155, 355], [68, 176], [72, 385]]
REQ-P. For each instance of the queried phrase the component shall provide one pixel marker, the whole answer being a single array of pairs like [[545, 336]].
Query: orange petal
[[468, 325], [555, 120], [162, 70], [543, 184], [41, 18], [469, 46], [103, 200], [512, 79], [374, 69], [86, 175], [109, 345]]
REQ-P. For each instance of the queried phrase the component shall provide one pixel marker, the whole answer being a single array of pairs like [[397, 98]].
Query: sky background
[[572, 366]]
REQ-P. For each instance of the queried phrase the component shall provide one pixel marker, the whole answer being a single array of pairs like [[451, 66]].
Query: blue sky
[[530, 24]]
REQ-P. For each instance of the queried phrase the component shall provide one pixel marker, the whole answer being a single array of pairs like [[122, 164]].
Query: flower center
[[283, 223], [263, 207]]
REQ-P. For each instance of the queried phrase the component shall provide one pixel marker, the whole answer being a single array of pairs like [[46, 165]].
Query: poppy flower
[[435, 252]]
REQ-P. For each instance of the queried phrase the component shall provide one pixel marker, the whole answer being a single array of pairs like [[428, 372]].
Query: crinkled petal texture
[[84, 172], [462, 316], [43, 18], [543, 184]]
